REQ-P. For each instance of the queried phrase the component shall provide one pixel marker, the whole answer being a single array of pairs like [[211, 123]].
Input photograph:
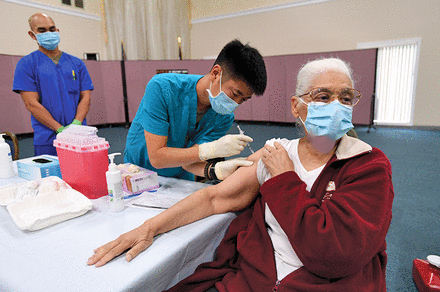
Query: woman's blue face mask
[[332, 120], [221, 104]]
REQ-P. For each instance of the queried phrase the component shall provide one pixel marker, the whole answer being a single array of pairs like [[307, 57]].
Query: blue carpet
[[414, 231]]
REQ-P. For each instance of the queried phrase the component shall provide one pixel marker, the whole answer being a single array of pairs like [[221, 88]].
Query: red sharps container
[[83, 158]]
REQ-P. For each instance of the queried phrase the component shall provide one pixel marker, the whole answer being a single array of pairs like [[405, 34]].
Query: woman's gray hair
[[312, 69]]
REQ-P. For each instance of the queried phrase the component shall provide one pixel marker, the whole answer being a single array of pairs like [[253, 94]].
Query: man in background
[[54, 86], [180, 126]]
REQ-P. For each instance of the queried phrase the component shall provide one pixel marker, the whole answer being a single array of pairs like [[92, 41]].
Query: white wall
[[282, 28], [326, 26], [80, 29]]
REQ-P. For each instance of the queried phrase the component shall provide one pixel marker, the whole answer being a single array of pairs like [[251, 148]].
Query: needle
[[242, 133]]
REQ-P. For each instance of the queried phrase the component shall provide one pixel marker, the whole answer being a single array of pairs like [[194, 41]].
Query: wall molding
[[258, 10], [48, 7], [390, 43]]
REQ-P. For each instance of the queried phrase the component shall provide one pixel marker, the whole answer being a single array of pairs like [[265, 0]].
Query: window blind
[[395, 84]]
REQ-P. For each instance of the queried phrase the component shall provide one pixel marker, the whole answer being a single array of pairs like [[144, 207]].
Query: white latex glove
[[224, 169], [224, 147]]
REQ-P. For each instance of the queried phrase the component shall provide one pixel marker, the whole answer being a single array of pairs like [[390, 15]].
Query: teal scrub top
[[169, 108], [58, 85]]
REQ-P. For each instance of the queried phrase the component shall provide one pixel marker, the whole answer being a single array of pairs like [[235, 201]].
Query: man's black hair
[[244, 63]]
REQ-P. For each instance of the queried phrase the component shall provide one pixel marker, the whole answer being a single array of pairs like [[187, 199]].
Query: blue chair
[[13, 142]]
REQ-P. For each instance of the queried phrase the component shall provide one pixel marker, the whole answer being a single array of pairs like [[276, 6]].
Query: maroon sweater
[[337, 230]]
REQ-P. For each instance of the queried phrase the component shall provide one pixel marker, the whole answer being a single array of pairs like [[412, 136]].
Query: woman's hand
[[276, 159], [136, 240]]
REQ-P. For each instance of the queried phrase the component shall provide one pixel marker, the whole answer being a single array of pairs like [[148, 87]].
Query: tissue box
[[38, 167], [136, 180]]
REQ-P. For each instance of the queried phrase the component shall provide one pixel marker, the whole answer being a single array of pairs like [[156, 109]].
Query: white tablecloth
[[54, 258]]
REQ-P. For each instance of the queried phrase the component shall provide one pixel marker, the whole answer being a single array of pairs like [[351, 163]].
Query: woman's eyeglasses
[[347, 96]]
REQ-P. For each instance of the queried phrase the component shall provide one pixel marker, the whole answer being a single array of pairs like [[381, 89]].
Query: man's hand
[[224, 169], [75, 122], [60, 129], [276, 159], [226, 146], [136, 240]]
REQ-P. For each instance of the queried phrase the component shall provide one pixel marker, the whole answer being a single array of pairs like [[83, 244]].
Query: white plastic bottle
[[114, 185], [6, 169]]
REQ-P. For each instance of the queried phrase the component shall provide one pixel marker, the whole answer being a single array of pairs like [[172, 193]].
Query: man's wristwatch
[[210, 168], [212, 175]]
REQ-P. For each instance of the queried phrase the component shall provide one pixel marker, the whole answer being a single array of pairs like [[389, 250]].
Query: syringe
[[242, 133]]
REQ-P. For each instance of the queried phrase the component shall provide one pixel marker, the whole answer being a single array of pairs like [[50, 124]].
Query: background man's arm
[[31, 101], [83, 105]]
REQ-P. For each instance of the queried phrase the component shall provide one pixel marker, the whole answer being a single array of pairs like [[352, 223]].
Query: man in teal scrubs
[[54, 85], [182, 119]]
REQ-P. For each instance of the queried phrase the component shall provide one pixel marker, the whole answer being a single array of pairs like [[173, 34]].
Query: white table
[[54, 258]]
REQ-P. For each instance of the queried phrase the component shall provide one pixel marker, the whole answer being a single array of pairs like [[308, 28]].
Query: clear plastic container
[[6, 170], [83, 158]]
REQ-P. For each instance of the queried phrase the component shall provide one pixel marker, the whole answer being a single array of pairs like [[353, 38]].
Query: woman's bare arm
[[236, 192]]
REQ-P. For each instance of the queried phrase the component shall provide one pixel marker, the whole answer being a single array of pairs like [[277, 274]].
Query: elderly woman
[[317, 209]]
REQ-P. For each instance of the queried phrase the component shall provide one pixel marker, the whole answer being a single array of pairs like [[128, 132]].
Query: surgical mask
[[48, 40], [221, 104], [332, 120]]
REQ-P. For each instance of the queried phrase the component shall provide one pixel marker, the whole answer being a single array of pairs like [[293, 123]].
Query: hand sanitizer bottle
[[114, 185], [6, 170]]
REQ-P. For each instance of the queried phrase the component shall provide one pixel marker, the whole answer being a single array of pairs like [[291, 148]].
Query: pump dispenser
[[6, 169], [114, 185]]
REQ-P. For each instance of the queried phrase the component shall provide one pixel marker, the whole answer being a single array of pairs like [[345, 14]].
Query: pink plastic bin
[[83, 158]]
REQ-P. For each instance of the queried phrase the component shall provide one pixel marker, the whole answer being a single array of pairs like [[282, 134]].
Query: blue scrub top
[[169, 108], [59, 87]]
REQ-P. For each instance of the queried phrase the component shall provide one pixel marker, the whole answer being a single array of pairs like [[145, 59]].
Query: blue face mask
[[221, 104], [332, 120], [48, 40]]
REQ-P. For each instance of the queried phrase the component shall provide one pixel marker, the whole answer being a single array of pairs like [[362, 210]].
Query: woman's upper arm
[[238, 190]]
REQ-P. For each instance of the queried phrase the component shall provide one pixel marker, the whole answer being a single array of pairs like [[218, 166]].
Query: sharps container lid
[[80, 138]]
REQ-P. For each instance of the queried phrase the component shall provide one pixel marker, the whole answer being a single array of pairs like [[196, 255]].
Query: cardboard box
[[38, 167], [136, 180]]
